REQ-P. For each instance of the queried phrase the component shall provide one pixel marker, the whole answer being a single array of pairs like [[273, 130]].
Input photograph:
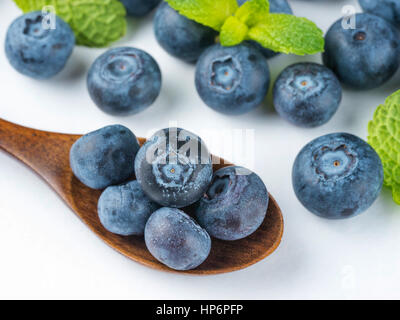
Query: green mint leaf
[[96, 23], [233, 32], [253, 12], [288, 34], [252, 21], [384, 137], [211, 13], [235, 28]]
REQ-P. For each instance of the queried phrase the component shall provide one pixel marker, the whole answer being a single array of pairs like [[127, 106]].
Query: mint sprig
[[384, 137], [96, 23], [288, 34], [253, 12], [211, 13], [253, 21]]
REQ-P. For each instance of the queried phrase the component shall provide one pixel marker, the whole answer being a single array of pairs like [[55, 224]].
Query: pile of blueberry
[[230, 80], [334, 176], [173, 171]]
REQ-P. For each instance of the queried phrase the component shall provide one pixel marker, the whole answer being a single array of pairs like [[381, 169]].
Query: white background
[[47, 252]]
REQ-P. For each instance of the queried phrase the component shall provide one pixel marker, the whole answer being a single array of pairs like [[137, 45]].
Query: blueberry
[[387, 9], [125, 209], [337, 176], [234, 205], [104, 157], [124, 81], [174, 167], [36, 50], [365, 57], [275, 6], [307, 94], [181, 37], [176, 240], [139, 8], [232, 80]]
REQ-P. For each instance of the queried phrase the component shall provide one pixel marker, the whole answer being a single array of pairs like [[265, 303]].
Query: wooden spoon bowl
[[47, 153]]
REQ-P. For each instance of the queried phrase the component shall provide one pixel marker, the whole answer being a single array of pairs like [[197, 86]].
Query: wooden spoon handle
[[42, 151]]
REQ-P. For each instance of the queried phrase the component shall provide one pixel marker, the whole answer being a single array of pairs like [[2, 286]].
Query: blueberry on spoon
[[176, 240], [234, 205], [174, 167]]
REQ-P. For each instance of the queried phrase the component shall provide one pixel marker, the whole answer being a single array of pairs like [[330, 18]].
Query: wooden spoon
[[47, 153]]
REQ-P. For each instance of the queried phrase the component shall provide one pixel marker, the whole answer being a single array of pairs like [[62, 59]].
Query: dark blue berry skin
[[104, 157], [234, 205], [387, 9], [35, 51], [307, 94], [275, 6], [139, 8], [181, 37], [176, 240], [337, 176], [365, 57], [232, 80], [168, 174], [124, 81], [125, 209]]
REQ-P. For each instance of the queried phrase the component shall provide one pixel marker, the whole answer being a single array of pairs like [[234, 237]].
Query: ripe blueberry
[[307, 94], [104, 157], [174, 167], [124, 81], [37, 51], [232, 80], [125, 209], [234, 205], [337, 176], [179, 36], [387, 9], [365, 57], [139, 8], [176, 240]]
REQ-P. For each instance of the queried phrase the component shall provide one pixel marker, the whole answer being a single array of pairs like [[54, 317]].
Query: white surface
[[46, 252]]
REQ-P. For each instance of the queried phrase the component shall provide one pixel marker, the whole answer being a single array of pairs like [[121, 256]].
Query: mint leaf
[[233, 32], [211, 13], [235, 28], [288, 34], [384, 137], [252, 21], [96, 23], [253, 12]]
